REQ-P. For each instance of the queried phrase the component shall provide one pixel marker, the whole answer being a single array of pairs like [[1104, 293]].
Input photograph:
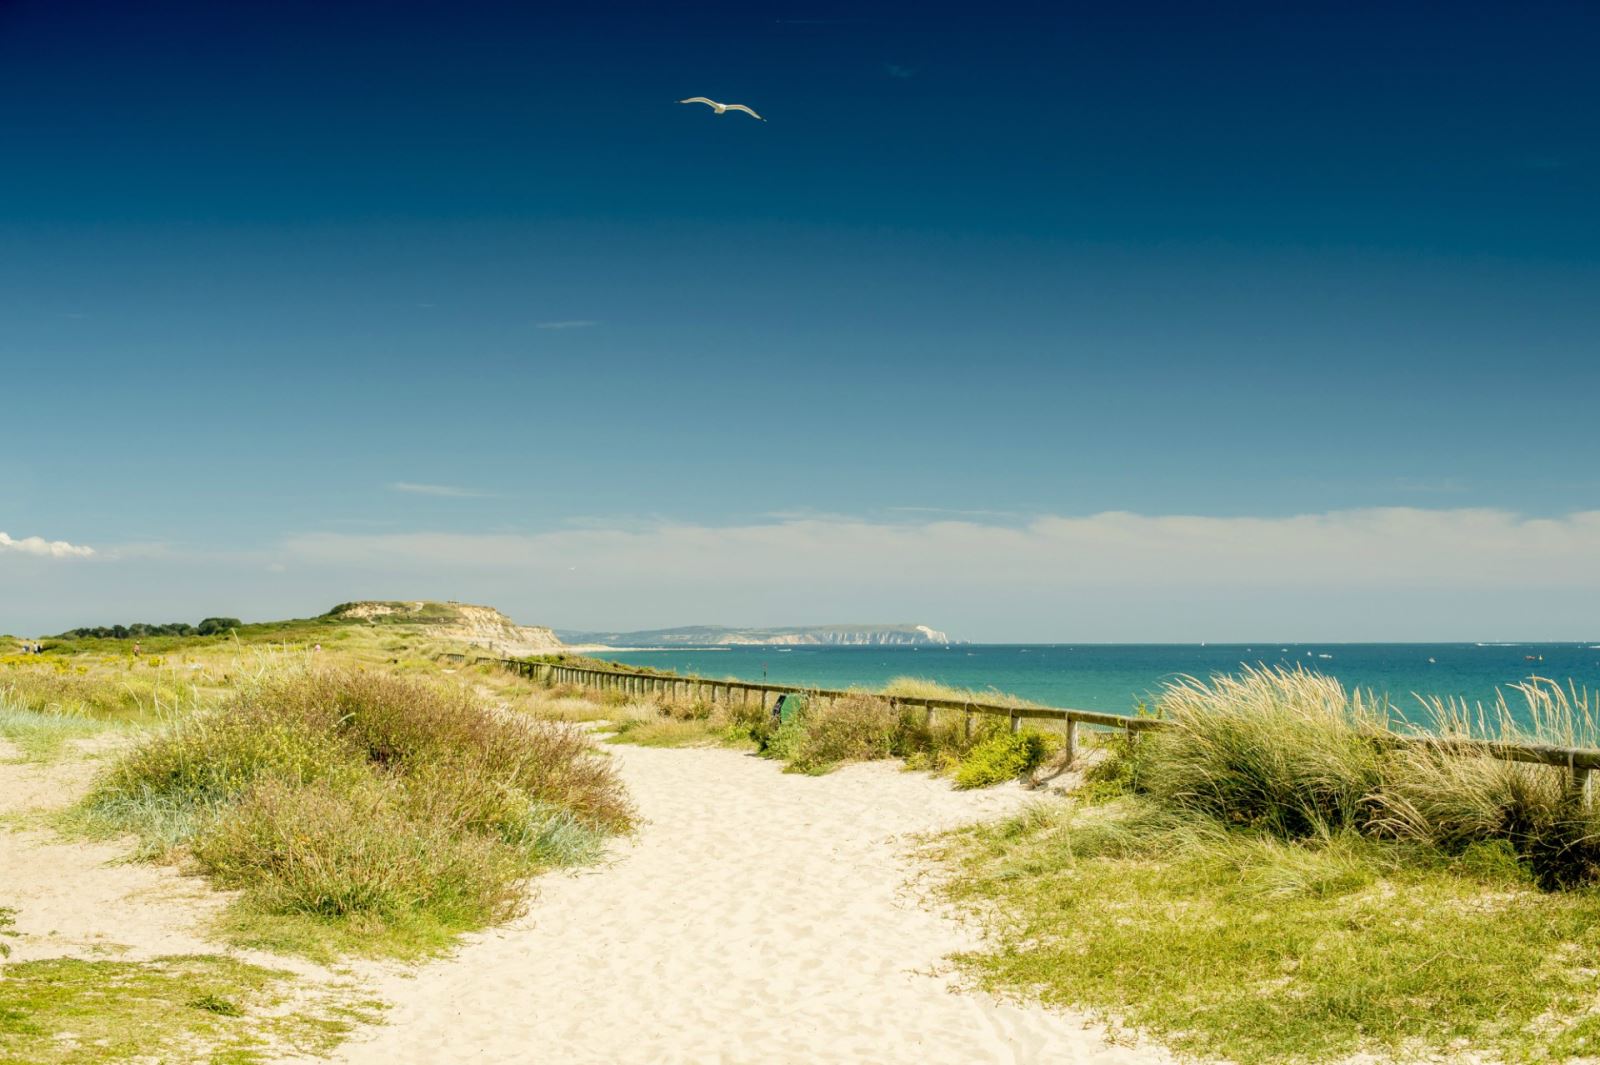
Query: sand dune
[[757, 917]]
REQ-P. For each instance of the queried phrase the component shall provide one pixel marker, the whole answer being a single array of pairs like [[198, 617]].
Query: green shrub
[[211, 758], [855, 728], [1004, 757]]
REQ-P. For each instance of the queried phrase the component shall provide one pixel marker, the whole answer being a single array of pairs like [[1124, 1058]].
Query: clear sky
[[1050, 321]]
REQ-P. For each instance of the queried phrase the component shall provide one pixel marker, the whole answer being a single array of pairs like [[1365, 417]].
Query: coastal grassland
[[44, 708], [359, 810], [1271, 878], [188, 1008]]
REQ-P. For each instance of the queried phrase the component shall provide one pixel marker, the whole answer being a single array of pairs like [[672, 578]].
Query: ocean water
[[1116, 677]]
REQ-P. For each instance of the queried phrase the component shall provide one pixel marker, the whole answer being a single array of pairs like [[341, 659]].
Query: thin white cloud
[[443, 491], [571, 323], [1401, 573], [37, 545]]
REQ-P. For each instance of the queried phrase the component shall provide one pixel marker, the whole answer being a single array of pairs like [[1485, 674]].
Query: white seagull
[[720, 109]]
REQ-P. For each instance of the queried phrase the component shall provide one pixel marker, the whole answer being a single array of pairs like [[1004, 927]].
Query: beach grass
[[1270, 879], [1243, 945], [189, 1008], [42, 736]]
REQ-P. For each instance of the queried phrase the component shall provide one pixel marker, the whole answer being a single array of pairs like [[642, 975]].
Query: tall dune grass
[[1436, 792], [1293, 753], [1286, 750]]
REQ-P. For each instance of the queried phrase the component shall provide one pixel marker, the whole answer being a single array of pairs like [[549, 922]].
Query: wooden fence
[[1581, 762]]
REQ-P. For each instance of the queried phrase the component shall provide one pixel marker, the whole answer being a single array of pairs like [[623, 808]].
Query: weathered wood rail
[[1581, 762]]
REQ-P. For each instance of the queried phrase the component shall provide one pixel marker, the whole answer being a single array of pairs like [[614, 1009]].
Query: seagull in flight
[[720, 109]]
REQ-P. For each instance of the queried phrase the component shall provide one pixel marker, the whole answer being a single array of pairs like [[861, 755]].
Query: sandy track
[[78, 899], [757, 917]]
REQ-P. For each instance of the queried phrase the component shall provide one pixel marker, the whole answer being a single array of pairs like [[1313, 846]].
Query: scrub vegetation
[[356, 793], [1272, 879], [819, 734], [361, 810]]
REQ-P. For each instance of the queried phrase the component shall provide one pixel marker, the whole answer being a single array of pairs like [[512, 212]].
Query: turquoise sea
[[1116, 677]]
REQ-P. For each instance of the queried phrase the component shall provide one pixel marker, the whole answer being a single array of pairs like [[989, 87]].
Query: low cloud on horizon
[[1380, 574]]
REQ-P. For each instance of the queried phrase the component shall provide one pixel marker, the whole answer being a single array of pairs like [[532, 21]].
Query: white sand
[[84, 900], [757, 917]]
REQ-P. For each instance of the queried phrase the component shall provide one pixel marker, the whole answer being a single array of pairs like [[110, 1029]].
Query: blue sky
[[308, 302]]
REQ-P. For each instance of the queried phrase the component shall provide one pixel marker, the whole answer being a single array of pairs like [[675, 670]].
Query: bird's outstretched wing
[[746, 110], [699, 100]]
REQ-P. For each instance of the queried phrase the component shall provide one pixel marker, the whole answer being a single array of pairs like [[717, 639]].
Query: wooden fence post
[[1072, 740]]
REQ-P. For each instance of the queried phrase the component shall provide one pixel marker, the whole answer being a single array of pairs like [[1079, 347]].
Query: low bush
[[826, 732], [336, 851], [339, 793], [1004, 757], [856, 728]]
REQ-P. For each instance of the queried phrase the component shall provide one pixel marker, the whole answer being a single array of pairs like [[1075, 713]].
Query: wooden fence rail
[[1581, 762]]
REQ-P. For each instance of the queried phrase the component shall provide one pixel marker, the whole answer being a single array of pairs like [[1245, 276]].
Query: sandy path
[[80, 899], [758, 917]]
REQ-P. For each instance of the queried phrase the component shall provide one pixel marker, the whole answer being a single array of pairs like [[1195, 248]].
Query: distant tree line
[[207, 627]]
